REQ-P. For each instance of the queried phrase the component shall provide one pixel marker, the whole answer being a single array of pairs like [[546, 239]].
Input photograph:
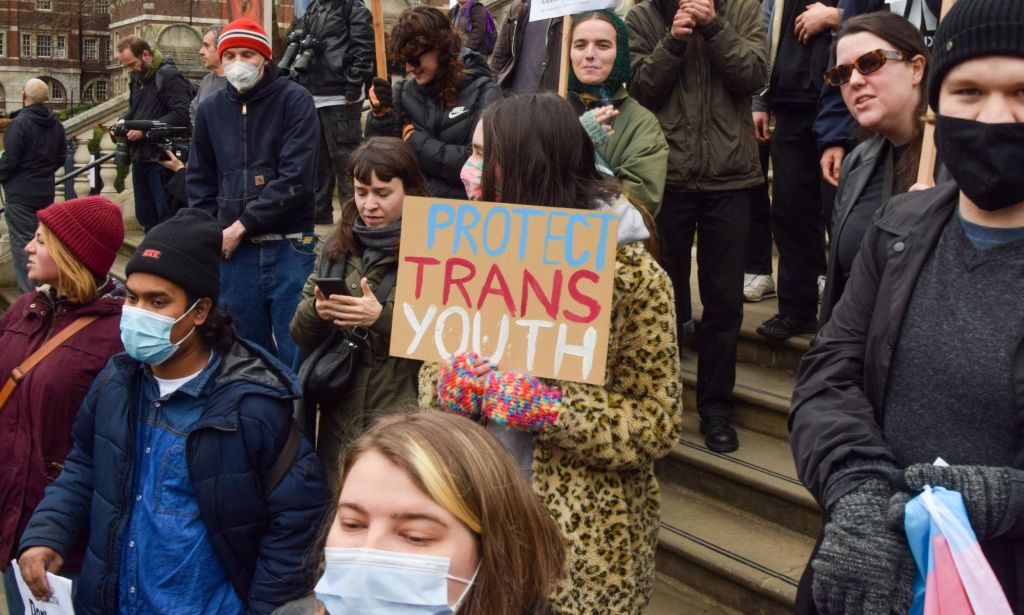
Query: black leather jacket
[[344, 60]]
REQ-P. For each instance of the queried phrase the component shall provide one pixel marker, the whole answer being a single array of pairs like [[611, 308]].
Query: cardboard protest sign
[[528, 287], [59, 603], [550, 9]]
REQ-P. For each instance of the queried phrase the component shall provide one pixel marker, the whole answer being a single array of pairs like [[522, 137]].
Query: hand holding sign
[[42, 592]]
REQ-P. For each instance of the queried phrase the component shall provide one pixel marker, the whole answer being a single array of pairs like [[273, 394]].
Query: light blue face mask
[[147, 336], [372, 582]]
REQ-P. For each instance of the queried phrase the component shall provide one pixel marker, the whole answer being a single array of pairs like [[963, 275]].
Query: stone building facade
[[64, 42]]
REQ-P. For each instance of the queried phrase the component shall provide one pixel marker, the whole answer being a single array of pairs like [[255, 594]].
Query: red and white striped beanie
[[244, 32]]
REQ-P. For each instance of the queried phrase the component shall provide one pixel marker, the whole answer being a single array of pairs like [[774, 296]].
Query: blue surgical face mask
[[372, 582], [147, 336]]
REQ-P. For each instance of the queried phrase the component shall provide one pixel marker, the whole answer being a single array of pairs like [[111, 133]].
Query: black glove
[[863, 565], [380, 95], [993, 496]]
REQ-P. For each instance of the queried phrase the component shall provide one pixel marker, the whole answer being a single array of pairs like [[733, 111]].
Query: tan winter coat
[[594, 469]]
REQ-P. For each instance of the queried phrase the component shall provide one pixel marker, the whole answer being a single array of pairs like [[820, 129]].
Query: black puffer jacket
[[442, 135], [344, 60], [34, 148]]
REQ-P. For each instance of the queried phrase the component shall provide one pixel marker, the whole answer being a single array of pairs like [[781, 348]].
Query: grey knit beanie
[[971, 29]]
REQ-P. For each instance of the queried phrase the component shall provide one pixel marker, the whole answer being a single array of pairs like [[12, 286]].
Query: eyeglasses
[[865, 65]]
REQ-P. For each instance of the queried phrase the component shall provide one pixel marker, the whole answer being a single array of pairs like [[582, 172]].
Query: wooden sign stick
[[378, 38], [563, 68], [929, 155]]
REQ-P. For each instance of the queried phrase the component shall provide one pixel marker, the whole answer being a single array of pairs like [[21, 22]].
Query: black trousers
[[759, 248], [722, 223], [339, 135], [797, 222]]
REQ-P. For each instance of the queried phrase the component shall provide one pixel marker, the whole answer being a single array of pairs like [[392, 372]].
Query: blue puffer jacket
[[263, 541], [253, 156]]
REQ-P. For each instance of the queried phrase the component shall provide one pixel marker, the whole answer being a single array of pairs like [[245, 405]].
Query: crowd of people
[[224, 431]]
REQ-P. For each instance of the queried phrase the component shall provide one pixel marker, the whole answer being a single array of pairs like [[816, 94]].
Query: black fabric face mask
[[984, 159]]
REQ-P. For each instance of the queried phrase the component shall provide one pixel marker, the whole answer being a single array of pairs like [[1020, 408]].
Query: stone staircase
[[738, 528]]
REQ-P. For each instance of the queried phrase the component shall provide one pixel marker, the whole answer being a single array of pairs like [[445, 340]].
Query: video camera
[[301, 45], [174, 139]]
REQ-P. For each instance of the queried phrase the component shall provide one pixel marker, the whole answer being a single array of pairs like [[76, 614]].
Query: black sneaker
[[781, 327], [719, 436]]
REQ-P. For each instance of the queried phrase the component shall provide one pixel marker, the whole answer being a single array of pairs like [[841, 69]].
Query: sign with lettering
[[59, 602], [549, 9], [528, 287]]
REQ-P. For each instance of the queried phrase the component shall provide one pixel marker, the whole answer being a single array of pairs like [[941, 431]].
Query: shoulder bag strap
[[18, 373], [289, 452]]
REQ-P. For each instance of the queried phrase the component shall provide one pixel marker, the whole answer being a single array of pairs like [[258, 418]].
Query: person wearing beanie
[[185, 456], [69, 258], [635, 150], [253, 166], [923, 356], [158, 92]]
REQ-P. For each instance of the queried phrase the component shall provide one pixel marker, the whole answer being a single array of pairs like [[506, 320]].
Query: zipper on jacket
[[245, 156]]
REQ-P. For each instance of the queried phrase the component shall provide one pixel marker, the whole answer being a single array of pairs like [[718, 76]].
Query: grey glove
[[863, 565], [994, 496], [595, 130]]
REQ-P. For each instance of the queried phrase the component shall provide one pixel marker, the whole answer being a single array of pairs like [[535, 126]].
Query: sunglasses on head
[[866, 64]]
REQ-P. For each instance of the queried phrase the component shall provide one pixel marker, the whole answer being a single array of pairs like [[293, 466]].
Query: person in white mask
[[253, 165], [434, 517]]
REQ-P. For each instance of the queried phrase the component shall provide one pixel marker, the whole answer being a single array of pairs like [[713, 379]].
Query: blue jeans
[[21, 224], [14, 604], [261, 284], [150, 201]]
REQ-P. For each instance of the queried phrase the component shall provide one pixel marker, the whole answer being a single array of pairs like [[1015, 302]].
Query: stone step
[[759, 478], [761, 395], [737, 558], [672, 597], [753, 348]]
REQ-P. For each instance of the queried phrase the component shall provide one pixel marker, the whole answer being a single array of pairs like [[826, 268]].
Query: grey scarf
[[377, 242]]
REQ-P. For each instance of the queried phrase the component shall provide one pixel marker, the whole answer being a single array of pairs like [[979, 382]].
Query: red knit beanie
[[244, 32], [91, 228]]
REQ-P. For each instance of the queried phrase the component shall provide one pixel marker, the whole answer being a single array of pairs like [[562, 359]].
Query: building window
[[62, 46], [26, 45], [101, 90], [3, 44], [91, 48], [44, 45], [100, 6], [44, 5], [110, 52], [96, 91], [56, 90]]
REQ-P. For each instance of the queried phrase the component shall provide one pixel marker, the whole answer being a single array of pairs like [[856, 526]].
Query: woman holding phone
[[359, 257]]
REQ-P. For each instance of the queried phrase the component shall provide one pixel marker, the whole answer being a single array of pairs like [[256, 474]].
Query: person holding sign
[[636, 150], [436, 109], [923, 356], [589, 450], [695, 65], [356, 260], [881, 60]]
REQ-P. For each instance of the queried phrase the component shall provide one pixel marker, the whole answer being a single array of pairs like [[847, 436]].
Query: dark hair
[[906, 37], [388, 158], [136, 44], [543, 153], [218, 330], [424, 28]]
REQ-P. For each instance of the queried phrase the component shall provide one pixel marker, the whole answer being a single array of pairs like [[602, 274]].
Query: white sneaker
[[821, 288], [758, 287]]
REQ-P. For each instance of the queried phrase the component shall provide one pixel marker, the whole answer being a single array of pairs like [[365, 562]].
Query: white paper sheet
[[58, 604]]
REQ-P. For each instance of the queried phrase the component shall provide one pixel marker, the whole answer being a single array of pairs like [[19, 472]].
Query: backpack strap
[[289, 453], [19, 373]]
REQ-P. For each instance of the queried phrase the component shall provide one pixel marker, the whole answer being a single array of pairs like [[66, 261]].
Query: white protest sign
[[550, 9], [59, 602]]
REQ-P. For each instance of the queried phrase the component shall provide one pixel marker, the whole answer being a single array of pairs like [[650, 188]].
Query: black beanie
[[971, 29], [185, 250]]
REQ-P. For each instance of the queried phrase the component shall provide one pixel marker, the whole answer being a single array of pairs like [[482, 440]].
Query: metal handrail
[[87, 167]]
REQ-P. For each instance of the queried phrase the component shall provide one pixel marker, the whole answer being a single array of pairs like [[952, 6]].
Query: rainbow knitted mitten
[[458, 388], [520, 401]]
